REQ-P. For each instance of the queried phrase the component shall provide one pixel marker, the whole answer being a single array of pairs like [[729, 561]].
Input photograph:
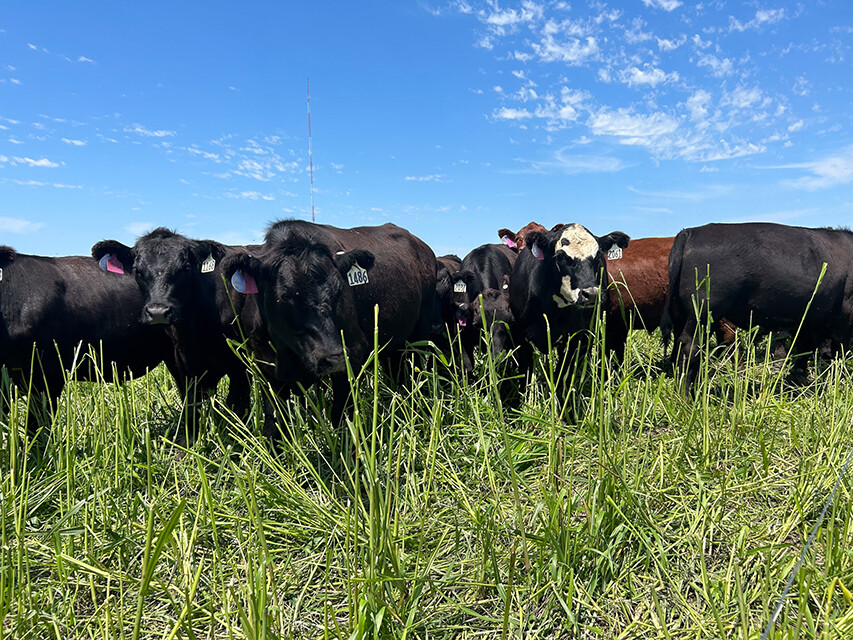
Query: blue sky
[[449, 118]]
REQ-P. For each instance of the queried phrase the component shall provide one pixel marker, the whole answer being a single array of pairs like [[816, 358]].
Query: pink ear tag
[[537, 252], [244, 282], [111, 263], [512, 244]]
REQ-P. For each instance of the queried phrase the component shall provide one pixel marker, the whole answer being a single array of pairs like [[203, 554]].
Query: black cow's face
[[306, 302], [165, 265], [579, 259]]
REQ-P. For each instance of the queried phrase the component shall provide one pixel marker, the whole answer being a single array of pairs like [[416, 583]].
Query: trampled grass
[[616, 510]]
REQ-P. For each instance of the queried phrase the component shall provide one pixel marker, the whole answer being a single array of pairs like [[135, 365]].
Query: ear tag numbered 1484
[[357, 275], [460, 287], [208, 265]]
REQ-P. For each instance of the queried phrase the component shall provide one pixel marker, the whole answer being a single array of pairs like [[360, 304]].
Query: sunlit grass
[[618, 511]]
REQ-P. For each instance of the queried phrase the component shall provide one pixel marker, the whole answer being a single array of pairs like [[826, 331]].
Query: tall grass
[[618, 510]]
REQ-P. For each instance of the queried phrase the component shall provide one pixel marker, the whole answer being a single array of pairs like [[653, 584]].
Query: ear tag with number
[[111, 264], [509, 242], [1, 275], [208, 265], [537, 252], [460, 287], [357, 275], [615, 252], [244, 282]]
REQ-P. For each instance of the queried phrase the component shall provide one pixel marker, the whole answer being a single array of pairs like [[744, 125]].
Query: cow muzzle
[[587, 297], [158, 314]]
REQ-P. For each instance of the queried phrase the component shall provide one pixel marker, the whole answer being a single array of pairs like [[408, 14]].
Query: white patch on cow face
[[567, 296], [577, 243]]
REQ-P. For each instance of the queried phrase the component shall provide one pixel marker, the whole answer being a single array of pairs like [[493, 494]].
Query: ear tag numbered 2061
[[615, 253], [357, 275]]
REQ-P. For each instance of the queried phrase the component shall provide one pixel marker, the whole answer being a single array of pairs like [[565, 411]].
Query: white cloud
[[505, 113], [624, 124], [41, 162], [573, 51], [719, 68], [251, 195], [74, 143], [18, 225], [142, 131], [671, 45], [762, 17], [85, 59], [797, 126], [666, 5], [827, 172], [650, 76], [436, 177], [573, 164]]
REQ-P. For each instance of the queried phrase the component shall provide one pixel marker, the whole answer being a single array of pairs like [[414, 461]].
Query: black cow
[[759, 274], [185, 297], [316, 282], [65, 306], [498, 317], [444, 327], [486, 267], [557, 276]]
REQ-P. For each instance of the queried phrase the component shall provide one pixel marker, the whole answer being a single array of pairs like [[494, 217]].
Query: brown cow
[[515, 240]]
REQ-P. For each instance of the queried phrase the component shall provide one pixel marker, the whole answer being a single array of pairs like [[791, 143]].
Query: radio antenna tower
[[310, 154]]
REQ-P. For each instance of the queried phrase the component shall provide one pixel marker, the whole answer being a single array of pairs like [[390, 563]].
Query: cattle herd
[[304, 301]]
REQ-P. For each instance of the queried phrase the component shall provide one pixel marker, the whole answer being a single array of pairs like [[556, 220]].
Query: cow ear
[[508, 238], [346, 260], [615, 238], [539, 244], [113, 256], [207, 254], [7, 255], [243, 271], [467, 276]]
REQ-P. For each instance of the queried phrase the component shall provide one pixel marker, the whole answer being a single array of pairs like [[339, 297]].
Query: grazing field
[[617, 510]]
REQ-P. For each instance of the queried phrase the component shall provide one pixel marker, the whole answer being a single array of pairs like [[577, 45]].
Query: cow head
[[575, 261], [493, 305], [515, 240], [461, 294], [305, 299], [169, 269], [7, 257]]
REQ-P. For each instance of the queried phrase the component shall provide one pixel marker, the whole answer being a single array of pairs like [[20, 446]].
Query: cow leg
[[615, 337], [239, 393], [685, 357]]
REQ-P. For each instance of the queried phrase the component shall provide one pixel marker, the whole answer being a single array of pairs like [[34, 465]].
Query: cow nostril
[[158, 313]]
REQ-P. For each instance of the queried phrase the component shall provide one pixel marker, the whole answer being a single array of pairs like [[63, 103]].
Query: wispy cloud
[[19, 225], [31, 162], [250, 195], [666, 5], [830, 171], [148, 133], [762, 17], [74, 143], [573, 164], [436, 177]]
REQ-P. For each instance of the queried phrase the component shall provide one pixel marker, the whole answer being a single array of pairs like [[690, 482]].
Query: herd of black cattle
[[303, 302]]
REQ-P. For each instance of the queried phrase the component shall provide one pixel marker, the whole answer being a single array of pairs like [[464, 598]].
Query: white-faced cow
[[316, 283], [558, 276], [63, 308], [185, 297], [759, 274]]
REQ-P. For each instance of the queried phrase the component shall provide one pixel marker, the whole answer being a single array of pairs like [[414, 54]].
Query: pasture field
[[618, 510]]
